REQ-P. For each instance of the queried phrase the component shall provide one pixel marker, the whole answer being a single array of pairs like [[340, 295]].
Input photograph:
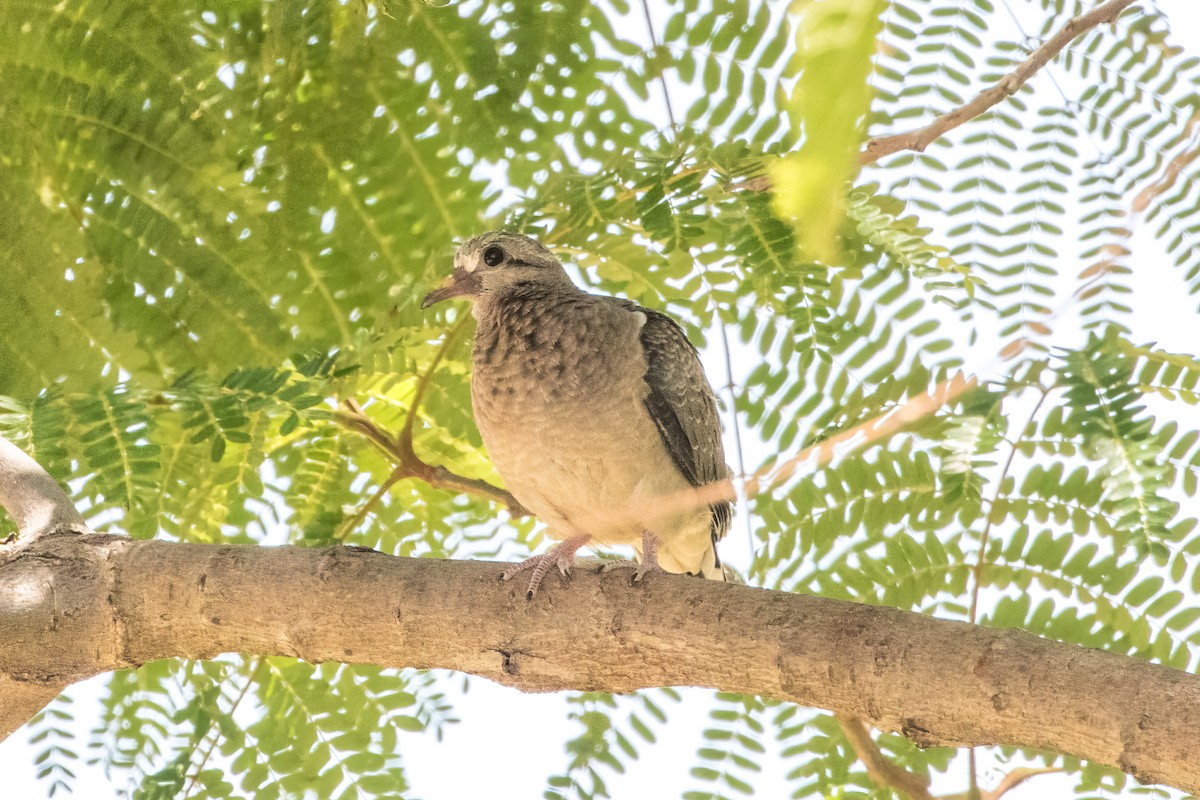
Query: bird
[[595, 411]]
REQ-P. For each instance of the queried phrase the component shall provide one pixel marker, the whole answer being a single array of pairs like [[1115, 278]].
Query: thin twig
[[972, 776], [737, 428], [423, 381], [880, 768], [1015, 778], [1010, 781], [216, 739], [661, 75], [399, 449], [353, 522], [977, 570], [410, 465]]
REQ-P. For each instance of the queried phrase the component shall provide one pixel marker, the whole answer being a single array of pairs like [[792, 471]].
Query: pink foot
[[649, 563], [562, 555]]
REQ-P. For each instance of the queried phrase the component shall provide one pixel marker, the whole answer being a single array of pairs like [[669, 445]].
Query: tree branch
[[921, 138], [1010, 781], [32, 497], [409, 465], [73, 606], [40, 507], [879, 767], [1015, 778]]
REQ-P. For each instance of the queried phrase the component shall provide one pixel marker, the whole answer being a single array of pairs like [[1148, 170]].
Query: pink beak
[[459, 284]]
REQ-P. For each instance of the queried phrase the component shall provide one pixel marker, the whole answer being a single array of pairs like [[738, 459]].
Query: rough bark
[[39, 506], [74, 605]]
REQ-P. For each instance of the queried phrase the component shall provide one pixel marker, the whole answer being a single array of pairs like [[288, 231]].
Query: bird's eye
[[493, 256]]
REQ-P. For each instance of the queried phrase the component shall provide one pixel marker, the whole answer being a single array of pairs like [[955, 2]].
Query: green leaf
[[835, 40]]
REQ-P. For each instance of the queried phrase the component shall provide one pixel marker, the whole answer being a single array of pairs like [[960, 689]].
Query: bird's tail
[[676, 557], [711, 566]]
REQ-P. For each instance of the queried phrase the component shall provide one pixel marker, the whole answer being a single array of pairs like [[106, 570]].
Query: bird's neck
[[525, 318], [498, 302]]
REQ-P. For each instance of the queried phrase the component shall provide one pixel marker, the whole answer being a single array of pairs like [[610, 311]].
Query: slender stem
[[212, 745], [920, 138], [365, 509], [423, 381], [661, 75], [737, 428], [972, 776], [977, 570]]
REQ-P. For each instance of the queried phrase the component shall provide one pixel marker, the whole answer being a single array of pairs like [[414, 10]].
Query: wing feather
[[684, 409]]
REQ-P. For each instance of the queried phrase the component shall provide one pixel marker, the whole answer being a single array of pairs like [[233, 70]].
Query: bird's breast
[[560, 407]]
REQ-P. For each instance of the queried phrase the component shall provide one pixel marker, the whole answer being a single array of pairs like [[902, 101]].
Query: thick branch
[[921, 138], [31, 497], [72, 606], [39, 506]]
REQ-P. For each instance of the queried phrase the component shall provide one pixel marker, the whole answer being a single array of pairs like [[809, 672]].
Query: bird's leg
[[649, 557], [647, 564], [562, 555]]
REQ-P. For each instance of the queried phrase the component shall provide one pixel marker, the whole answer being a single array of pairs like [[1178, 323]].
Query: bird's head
[[493, 261]]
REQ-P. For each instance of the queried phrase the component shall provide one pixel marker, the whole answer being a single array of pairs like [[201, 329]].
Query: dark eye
[[493, 256]]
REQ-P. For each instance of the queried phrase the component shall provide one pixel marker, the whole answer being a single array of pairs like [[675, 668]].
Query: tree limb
[[32, 497], [1015, 778], [409, 465], [73, 606], [920, 138], [1010, 781], [40, 507], [1009, 85]]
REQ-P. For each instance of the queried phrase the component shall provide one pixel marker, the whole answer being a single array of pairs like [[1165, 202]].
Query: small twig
[[1010, 781], [1015, 778], [399, 450], [1172, 171], [880, 768], [410, 465], [972, 776], [406, 434], [873, 429], [356, 520], [216, 739], [977, 570], [737, 428], [661, 75]]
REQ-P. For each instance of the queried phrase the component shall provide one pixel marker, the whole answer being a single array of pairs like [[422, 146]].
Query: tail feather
[[711, 566]]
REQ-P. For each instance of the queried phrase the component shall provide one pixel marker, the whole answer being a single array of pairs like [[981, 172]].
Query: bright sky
[[510, 742]]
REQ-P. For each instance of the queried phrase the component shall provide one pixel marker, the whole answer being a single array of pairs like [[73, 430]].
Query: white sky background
[[509, 743]]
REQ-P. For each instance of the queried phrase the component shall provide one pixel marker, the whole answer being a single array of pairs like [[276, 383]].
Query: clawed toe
[[640, 569], [645, 569], [623, 563], [562, 555]]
